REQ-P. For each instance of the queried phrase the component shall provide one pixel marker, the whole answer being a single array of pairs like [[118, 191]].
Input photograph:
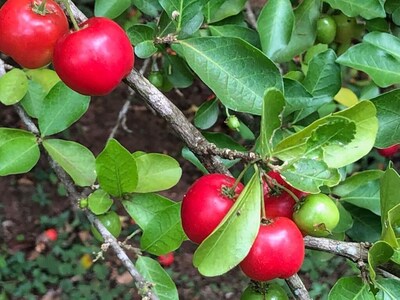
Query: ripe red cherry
[[29, 36], [51, 234], [277, 252], [94, 59], [390, 151], [278, 202], [206, 203], [167, 259]]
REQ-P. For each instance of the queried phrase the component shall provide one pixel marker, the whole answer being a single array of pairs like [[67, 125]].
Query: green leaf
[[366, 227], [156, 172], [163, 286], [99, 202], [271, 119], [207, 114], [13, 87], [110, 8], [377, 56], [229, 61], [222, 140], [74, 158], [139, 33], [275, 25], [390, 206], [190, 156], [61, 108], [19, 151], [246, 34], [388, 289], [217, 10], [145, 49], [304, 33], [33, 100], [350, 288], [379, 253], [177, 71], [309, 175], [323, 79], [230, 242], [388, 113], [149, 7], [362, 190], [335, 152], [160, 221], [116, 169], [45, 77], [368, 9], [186, 14], [345, 221]]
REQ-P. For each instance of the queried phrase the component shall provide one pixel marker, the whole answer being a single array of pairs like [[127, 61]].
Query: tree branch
[[251, 18], [297, 287]]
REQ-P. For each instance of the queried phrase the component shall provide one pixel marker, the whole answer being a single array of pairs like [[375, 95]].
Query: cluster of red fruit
[[278, 250], [92, 59]]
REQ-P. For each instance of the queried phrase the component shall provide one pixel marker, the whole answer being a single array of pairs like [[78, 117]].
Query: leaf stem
[[272, 181], [71, 15], [263, 208]]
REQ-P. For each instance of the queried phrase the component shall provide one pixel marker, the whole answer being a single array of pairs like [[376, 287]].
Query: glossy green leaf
[[19, 151], [379, 253], [207, 114], [61, 108], [368, 9], [163, 286], [309, 175], [388, 113], [160, 221], [304, 33], [336, 152], [323, 79], [271, 119], [13, 87], [362, 190], [350, 288], [177, 71], [230, 242], [366, 227], [74, 158], [145, 49], [149, 7], [345, 221], [190, 156], [110, 8], [377, 56], [99, 202], [217, 10], [246, 34], [139, 33], [388, 289], [34, 98], [45, 77], [116, 169], [228, 60], [275, 25], [222, 140], [186, 14], [156, 172], [390, 205]]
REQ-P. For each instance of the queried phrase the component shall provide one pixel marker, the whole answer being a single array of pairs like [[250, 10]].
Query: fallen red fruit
[[51, 234], [167, 259], [93, 60], [390, 151]]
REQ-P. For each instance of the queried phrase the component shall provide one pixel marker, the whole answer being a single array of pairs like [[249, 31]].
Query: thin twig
[[251, 18], [297, 287]]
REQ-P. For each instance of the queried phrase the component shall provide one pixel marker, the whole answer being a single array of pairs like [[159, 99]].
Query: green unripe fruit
[[156, 79], [110, 221], [233, 122], [272, 292], [326, 30]]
